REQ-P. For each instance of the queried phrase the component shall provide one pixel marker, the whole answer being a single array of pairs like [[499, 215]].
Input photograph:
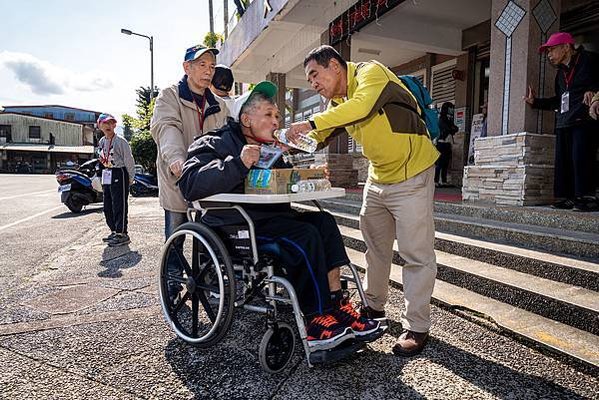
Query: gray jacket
[[174, 126], [119, 154]]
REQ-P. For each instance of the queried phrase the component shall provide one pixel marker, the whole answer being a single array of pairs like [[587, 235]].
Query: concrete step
[[568, 270], [583, 244], [563, 340], [537, 216], [559, 301]]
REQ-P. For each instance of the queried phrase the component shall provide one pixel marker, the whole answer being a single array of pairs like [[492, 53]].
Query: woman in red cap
[[577, 134]]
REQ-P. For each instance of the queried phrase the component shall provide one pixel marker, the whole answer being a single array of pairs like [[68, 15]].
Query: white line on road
[[29, 218], [27, 194]]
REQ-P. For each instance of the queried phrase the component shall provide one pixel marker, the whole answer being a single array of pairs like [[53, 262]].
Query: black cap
[[223, 78]]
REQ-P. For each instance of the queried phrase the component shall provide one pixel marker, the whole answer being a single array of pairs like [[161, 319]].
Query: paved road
[[80, 320]]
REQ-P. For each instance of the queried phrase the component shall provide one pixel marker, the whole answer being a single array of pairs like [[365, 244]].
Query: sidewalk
[[91, 327]]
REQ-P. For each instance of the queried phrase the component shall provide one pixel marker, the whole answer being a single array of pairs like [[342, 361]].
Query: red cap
[[555, 39]]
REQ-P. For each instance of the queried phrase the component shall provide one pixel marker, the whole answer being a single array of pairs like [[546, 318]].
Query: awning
[[45, 148]]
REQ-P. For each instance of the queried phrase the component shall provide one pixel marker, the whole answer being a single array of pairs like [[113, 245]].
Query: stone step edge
[[502, 248], [561, 234], [583, 347], [518, 280]]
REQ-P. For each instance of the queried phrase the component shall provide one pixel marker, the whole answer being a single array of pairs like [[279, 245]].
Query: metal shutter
[[442, 83]]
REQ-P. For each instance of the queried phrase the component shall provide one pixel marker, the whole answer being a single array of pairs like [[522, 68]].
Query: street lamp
[[151, 39]]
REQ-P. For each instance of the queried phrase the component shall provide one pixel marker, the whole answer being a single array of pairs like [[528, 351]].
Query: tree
[[144, 150], [211, 39], [128, 123], [142, 144]]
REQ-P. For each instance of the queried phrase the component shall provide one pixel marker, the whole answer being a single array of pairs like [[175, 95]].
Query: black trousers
[[115, 200], [311, 246], [442, 164], [575, 153]]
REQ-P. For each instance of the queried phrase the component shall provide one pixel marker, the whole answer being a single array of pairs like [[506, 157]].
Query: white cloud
[[44, 78]]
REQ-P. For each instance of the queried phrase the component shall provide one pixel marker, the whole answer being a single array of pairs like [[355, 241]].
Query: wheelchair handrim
[[221, 286]]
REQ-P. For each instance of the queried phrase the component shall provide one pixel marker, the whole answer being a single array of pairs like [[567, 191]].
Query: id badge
[[106, 177], [565, 102]]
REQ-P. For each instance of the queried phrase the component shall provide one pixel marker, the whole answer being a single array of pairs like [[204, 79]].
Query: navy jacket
[[586, 78], [214, 166]]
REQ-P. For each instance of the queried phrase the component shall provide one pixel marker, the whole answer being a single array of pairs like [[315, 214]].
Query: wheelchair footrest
[[338, 353]]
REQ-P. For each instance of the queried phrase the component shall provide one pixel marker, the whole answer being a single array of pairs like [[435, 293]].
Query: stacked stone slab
[[514, 169], [342, 172]]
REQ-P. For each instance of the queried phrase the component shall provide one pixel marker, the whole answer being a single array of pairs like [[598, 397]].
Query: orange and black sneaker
[[325, 332], [348, 316]]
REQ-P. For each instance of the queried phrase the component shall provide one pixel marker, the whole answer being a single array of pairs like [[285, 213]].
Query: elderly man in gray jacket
[[182, 112]]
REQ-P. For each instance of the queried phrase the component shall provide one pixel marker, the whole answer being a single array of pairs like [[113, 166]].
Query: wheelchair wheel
[[276, 348], [197, 286]]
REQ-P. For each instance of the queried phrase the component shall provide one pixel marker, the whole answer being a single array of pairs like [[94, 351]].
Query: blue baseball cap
[[196, 51]]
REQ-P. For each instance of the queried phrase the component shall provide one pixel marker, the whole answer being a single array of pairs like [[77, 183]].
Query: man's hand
[[588, 98], [176, 168], [250, 154], [296, 129], [530, 96], [594, 109]]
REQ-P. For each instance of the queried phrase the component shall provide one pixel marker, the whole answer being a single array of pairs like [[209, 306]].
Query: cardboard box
[[278, 181]]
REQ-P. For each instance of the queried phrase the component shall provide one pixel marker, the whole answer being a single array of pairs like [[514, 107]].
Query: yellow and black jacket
[[393, 138]]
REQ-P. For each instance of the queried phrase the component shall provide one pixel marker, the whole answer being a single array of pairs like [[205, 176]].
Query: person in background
[[446, 131], [576, 132], [484, 110], [183, 111], [594, 108], [117, 175], [222, 83]]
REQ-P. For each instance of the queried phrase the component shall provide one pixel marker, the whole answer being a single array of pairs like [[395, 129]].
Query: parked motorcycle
[[81, 186], [144, 184]]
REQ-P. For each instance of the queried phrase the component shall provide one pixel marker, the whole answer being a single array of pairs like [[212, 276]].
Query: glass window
[[35, 132]]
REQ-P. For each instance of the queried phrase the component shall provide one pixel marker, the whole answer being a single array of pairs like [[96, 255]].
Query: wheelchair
[[224, 269]]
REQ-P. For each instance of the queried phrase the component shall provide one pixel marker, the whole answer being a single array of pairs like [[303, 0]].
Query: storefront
[[463, 50]]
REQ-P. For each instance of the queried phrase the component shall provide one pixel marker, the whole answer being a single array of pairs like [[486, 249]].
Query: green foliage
[[211, 39], [142, 144], [144, 150], [145, 108], [128, 122]]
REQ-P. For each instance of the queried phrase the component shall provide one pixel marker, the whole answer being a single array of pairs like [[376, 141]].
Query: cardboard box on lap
[[278, 181]]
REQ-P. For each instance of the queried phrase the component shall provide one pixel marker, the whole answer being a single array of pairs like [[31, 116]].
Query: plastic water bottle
[[311, 185], [304, 143]]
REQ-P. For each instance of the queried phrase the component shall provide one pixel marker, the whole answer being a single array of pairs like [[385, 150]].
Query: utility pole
[[226, 16], [211, 12]]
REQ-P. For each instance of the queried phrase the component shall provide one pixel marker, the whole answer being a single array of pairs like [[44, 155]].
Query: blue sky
[[72, 53]]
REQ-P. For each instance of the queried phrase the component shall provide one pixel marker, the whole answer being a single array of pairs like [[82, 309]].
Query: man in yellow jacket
[[377, 110]]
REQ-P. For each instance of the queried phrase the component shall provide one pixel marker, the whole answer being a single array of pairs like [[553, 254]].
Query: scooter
[[81, 186], [144, 184]]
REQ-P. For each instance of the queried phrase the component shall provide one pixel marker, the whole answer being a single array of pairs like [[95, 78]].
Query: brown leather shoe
[[410, 343]]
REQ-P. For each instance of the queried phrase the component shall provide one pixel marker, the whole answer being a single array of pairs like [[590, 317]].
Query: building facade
[[469, 52], [32, 144]]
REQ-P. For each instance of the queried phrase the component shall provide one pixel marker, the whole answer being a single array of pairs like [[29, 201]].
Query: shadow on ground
[[69, 214], [115, 259]]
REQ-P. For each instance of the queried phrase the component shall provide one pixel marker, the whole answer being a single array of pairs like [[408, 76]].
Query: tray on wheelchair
[[269, 198]]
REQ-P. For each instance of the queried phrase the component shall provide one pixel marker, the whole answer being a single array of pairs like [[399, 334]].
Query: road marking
[[27, 194], [29, 218]]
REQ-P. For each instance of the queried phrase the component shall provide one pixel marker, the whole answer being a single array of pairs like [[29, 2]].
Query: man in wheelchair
[[312, 249]]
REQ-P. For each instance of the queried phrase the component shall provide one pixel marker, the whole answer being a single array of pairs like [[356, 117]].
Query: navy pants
[[116, 200], [442, 164], [311, 246], [575, 153]]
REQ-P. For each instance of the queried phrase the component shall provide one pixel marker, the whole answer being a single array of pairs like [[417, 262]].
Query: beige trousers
[[402, 211]]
